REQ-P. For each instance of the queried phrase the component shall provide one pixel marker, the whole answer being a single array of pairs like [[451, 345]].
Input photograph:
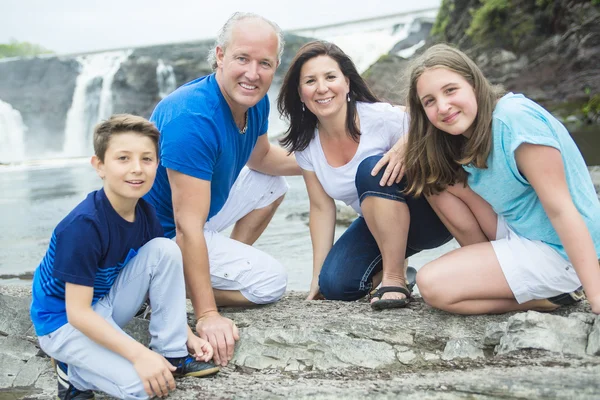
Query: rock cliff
[[548, 50], [331, 350]]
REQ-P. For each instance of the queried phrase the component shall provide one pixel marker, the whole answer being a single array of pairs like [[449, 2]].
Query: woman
[[343, 137]]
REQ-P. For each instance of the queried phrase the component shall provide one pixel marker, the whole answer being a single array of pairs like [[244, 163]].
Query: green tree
[[21, 49]]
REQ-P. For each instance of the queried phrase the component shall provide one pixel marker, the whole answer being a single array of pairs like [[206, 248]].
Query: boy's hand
[[199, 348], [155, 372]]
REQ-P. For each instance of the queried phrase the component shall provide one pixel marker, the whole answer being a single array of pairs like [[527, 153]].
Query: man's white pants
[[234, 265]]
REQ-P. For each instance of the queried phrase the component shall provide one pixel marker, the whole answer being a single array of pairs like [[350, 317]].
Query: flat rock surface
[[335, 350]]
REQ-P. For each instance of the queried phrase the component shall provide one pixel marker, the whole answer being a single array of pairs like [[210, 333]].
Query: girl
[[343, 137], [540, 239]]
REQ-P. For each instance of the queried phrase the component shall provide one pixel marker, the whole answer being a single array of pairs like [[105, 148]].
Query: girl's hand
[[314, 293], [394, 171], [595, 303], [199, 348]]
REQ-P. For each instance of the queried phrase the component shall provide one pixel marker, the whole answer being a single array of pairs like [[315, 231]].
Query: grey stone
[[431, 357], [533, 330], [282, 348], [14, 318], [9, 369], [345, 215], [583, 317], [493, 332], [138, 329], [31, 371], [331, 350], [462, 348], [593, 345], [18, 347], [405, 354]]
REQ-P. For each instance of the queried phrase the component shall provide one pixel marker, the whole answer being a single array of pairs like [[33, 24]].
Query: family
[[462, 159]]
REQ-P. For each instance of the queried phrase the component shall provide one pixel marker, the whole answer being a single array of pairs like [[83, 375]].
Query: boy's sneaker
[[66, 391], [189, 366], [144, 311]]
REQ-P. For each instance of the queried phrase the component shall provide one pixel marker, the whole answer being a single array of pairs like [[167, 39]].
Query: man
[[210, 128]]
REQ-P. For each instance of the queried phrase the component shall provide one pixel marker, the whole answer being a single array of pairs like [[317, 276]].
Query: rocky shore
[[330, 350]]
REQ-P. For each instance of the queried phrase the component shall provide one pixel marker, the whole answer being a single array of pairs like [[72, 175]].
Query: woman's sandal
[[383, 304]]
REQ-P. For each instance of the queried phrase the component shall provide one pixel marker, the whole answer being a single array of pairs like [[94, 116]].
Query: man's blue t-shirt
[[89, 247], [199, 138], [517, 120]]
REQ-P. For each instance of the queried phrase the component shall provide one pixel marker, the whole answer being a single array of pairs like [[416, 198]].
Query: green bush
[[21, 49]]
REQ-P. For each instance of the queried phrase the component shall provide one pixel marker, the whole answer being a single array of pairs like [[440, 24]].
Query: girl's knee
[[429, 286]]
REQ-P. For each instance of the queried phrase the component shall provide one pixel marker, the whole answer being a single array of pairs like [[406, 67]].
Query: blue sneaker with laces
[[189, 366], [66, 391]]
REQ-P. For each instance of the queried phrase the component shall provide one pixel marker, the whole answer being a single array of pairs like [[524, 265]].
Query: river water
[[33, 199]]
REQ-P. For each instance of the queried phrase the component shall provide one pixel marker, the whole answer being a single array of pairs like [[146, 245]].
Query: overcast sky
[[68, 26]]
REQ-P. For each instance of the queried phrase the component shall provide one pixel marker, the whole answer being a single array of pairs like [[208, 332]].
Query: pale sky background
[[70, 26]]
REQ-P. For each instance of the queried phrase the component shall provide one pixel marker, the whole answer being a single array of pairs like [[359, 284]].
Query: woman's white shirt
[[381, 126]]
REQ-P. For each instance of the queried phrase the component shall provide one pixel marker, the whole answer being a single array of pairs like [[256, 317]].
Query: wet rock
[[14, 315], [282, 348], [345, 215], [462, 348], [493, 333], [533, 330], [404, 354], [330, 350], [593, 346]]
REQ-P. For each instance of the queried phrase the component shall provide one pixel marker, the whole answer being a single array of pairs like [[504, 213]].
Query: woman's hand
[[394, 171], [314, 293]]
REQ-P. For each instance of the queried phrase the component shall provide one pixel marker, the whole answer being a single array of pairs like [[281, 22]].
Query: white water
[[165, 77], [12, 134], [367, 40], [92, 100]]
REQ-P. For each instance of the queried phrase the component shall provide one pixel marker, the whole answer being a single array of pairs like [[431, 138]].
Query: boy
[[104, 259]]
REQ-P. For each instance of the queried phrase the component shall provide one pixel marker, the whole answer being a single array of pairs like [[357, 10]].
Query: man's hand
[[221, 333], [395, 167], [314, 293], [199, 348], [155, 372]]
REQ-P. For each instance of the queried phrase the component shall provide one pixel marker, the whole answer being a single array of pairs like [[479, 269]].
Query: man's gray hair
[[224, 36]]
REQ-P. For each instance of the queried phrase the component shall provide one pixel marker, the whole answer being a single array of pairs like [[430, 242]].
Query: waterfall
[[92, 99], [12, 131], [165, 78], [366, 40]]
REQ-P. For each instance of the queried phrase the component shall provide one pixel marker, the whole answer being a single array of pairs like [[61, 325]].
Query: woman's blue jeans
[[348, 270]]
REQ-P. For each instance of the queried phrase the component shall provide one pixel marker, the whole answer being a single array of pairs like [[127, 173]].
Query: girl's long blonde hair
[[433, 158]]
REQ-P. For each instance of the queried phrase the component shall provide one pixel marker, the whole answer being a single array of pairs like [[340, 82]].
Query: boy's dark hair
[[121, 123]]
